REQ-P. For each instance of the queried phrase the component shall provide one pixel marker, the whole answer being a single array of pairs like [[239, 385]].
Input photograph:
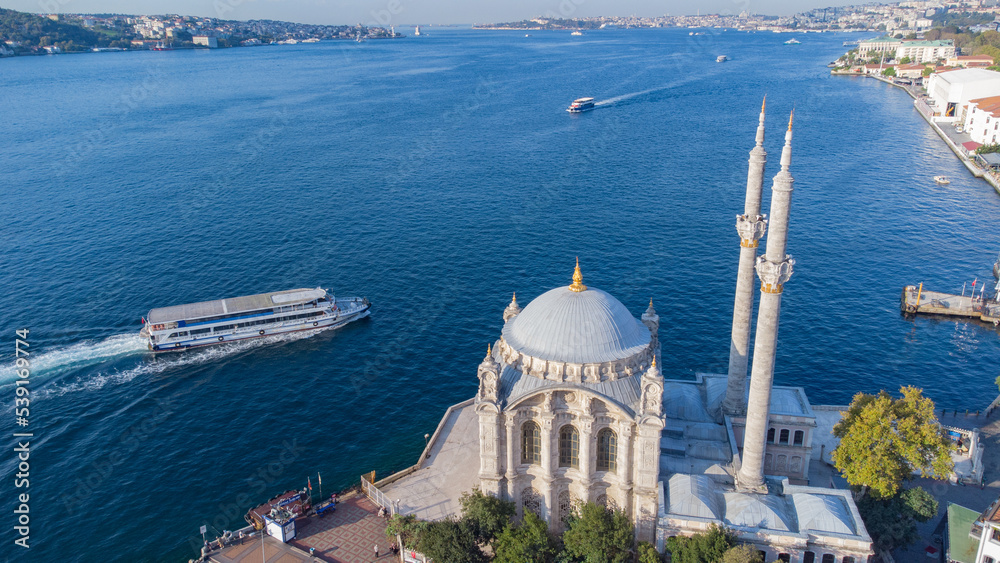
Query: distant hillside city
[[896, 17], [30, 34]]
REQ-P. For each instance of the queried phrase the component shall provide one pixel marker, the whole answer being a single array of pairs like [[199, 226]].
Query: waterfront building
[[209, 41], [950, 91], [982, 119], [970, 61], [872, 47], [987, 528], [971, 537], [926, 51]]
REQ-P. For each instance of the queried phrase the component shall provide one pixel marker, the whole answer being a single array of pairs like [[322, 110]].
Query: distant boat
[[416, 31], [581, 105], [527, 35], [721, 59], [996, 268], [793, 41], [576, 33], [161, 46], [943, 180], [359, 39]]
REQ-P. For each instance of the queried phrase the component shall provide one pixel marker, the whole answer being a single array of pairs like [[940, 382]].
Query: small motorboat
[[943, 180]]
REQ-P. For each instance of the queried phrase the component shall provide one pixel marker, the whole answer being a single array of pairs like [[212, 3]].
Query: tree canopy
[[884, 441], [527, 542], [706, 547], [486, 515], [450, 541], [596, 534], [892, 522]]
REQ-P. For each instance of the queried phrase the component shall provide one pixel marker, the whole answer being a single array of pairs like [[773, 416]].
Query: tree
[[486, 515], [527, 542], [892, 522], [927, 71], [705, 547], [884, 441], [891, 71], [450, 541], [408, 528], [743, 553], [997, 381], [905, 61], [648, 553], [596, 534]]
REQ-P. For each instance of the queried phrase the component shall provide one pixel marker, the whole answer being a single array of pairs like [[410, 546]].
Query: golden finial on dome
[[577, 278], [654, 362], [489, 350], [763, 104], [650, 302], [790, 118]]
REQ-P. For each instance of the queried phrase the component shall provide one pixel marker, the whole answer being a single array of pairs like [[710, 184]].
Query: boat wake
[[624, 97], [98, 357]]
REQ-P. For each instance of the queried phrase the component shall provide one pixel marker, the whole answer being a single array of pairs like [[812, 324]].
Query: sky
[[409, 12]]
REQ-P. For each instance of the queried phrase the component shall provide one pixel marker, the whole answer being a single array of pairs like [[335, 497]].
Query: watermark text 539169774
[[22, 437]]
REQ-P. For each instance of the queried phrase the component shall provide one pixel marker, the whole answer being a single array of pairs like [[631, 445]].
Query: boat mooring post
[[919, 291]]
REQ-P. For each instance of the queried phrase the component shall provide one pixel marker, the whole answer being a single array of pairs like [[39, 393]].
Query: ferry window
[[770, 435], [783, 439], [799, 436], [182, 333], [200, 331], [172, 335], [224, 328]]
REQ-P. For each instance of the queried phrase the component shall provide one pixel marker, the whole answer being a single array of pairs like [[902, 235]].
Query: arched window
[[799, 436], [565, 506], [770, 435], [607, 450], [783, 437], [569, 447], [531, 501], [809, 557], [531, 443]]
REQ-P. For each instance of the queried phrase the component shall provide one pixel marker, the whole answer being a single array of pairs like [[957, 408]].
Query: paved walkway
[[432, 492], [349, 535], [250, 552]]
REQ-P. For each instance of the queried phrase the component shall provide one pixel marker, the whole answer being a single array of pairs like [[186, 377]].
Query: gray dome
[[581, 327]]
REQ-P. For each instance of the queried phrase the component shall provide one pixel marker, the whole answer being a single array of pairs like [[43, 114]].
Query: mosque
[[572, 407]]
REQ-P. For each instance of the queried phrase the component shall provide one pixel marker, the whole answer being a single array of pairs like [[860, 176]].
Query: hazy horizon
[[410, 12]]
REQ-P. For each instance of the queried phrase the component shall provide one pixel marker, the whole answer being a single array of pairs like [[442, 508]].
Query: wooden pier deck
[[917, 300]]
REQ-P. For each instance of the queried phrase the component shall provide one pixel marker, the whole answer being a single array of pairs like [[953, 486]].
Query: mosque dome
[[576, 324]]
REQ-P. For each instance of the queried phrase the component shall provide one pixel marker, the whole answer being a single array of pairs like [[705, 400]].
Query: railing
[[377, 496]]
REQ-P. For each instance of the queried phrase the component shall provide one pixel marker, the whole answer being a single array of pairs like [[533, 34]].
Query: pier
[[917, 300]]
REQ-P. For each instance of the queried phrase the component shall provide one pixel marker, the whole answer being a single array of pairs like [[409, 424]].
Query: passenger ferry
[[238, 318], [581, 105]]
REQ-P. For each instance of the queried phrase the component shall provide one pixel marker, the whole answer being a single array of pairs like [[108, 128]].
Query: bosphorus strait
[[435, 176]]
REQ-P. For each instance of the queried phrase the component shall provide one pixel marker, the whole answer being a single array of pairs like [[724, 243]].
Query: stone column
[[774, 269], [751, 226], [587, 453], [546, 485], [512, 452]]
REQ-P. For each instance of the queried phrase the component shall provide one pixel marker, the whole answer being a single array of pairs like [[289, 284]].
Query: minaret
[[751, 226], [774, 269]]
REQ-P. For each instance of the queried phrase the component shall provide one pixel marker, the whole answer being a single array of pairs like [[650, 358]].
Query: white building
[[988, 526], [950, 91], [982, 120], [207, 40], [926, 51]]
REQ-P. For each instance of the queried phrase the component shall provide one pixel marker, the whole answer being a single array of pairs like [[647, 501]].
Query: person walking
[[376, 551]]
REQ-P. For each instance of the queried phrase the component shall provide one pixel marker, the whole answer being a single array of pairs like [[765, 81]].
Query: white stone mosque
[[572, 407]]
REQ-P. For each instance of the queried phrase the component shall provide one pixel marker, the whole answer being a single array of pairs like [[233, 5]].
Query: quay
[[916, 300]]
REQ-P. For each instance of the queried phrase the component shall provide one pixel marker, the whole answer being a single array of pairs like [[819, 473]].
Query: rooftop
[[961, 546], [234, 305]]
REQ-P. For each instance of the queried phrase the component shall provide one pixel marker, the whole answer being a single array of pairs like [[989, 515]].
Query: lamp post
[[427, 438]]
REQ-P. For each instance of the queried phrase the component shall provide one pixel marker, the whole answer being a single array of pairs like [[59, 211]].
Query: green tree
[[884, 441], [891, 71], [927, 71], [408, 528], [705, 547], [648, 553], [892, 522], [596, 534], [527, 542], [486, 515], [997, 381], [743, 553], [450, 541], [905, 61]]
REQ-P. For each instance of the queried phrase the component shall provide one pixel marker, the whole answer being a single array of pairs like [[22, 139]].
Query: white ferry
[[721, 59], [581, 105], [238, 318]]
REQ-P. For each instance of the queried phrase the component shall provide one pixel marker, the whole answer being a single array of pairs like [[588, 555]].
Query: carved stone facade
[[576, 419]]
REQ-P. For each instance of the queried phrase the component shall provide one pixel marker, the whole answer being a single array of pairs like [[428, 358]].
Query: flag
[[974, 283], [309, 482]]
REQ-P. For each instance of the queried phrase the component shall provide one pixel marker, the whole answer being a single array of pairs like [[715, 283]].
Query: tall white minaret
[[774, 269], [751, 226]]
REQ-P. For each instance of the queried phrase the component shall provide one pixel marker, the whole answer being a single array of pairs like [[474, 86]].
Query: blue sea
[[435, 175]]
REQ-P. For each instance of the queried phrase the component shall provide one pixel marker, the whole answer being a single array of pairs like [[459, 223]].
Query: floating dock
[[917, 300]]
